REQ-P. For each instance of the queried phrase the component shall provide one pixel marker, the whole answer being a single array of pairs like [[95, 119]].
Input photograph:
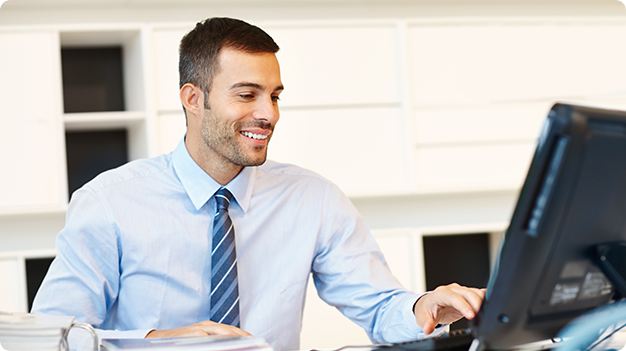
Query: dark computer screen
[[573, 200]]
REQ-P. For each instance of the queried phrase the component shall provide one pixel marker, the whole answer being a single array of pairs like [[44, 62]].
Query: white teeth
[[254, 136]]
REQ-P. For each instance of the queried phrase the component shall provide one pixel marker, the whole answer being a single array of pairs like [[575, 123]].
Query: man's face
[[243, 107]]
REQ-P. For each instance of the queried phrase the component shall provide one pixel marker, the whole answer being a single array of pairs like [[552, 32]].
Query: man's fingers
[[212, 328], [447, 304], [425, 319], [477, 300], [467, 301], [232, 331], [429, 326], [429, 312], [200, 329]]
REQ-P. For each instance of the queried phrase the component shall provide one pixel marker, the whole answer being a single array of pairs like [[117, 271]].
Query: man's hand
[[447, 304], [199, 329]]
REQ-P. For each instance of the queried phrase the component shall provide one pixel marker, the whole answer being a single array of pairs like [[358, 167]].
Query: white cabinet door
[[338, 65], [457, 168], [359, 149], [166, 42], [12, 294], [341, 109], [504, 61], [31, 130]]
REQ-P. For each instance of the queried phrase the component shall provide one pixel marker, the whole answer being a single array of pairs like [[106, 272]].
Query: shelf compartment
[[93, 46]]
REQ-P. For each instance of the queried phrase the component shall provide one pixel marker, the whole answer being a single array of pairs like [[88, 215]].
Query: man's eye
[[275, 98], [246, 96]]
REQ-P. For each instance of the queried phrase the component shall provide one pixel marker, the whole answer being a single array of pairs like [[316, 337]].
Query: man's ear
[[192, 98]]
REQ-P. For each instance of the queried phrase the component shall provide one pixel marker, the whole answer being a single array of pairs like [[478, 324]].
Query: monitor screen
[[573, 200]]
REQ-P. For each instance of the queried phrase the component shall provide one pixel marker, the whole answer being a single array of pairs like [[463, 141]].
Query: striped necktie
[[224, 289]]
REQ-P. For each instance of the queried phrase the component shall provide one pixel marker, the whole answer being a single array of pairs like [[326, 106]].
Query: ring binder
[[64, 346]]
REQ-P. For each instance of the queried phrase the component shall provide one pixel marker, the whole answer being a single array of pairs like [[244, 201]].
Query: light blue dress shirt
[[135, 253]]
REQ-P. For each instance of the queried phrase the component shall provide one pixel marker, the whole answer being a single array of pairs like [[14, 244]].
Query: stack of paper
[[204, 343], [32, 332]]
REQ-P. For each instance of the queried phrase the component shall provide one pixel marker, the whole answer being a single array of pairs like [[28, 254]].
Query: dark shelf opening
[[90, 153], [36, 269], [92, 79], [458, 258]]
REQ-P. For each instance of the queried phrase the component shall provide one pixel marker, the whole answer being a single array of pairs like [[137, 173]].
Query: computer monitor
[[573, 200]]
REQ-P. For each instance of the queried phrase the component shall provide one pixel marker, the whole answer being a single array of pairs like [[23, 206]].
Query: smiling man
[[212, 239], [232, 127]]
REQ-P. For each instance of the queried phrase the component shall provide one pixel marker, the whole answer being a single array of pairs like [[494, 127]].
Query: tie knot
[[222, 198]]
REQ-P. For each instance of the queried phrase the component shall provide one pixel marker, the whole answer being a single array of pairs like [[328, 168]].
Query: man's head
[[231, 99], [199, 49]]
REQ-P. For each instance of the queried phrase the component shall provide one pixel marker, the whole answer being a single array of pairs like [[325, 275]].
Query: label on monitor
[[595, 285], [564, 293]]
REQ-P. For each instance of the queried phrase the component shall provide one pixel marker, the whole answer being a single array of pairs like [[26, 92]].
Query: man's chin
[[250, 162]]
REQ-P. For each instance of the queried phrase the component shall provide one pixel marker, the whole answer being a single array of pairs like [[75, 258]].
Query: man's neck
[[216, 166]]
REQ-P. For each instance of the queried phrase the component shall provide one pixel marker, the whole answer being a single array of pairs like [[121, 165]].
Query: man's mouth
[[255, 136]]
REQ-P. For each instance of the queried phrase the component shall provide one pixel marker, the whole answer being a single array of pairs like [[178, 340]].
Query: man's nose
[[266, 110]]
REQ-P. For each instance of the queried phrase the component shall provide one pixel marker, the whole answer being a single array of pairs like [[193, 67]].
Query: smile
[[254, 136]]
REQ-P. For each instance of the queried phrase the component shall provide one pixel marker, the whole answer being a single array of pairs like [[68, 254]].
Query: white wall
[[89, 11], [428, 113]]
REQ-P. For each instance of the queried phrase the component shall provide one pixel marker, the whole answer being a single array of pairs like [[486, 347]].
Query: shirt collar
[[200, 187]]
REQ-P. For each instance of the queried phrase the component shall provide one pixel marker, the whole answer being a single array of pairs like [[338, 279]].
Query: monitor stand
[[612, 261]]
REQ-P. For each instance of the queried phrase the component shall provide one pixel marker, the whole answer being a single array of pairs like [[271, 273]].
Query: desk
[[615, 342]]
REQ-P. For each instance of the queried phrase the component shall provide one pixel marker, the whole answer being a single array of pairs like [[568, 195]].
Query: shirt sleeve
[[350, 273], [83, 280]]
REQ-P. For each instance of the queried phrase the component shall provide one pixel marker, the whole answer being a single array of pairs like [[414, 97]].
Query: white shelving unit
[[409, 115], [138, 118]]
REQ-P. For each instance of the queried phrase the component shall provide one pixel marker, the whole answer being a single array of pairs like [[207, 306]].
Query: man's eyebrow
[[247, 85], [254, 86]]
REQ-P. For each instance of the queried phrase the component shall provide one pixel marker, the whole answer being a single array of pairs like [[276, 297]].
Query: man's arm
[[83, 280], [447, 304], [350, 273]]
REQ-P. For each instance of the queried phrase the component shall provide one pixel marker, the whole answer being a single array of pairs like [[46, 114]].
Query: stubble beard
[[224, 141]]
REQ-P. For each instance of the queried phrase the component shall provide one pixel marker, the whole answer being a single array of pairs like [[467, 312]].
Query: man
[[138, 256]]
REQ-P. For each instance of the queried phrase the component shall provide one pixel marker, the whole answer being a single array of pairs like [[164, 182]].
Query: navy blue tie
[[224, 289]]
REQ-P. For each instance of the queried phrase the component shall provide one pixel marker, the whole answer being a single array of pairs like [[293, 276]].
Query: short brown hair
[[200, 48]]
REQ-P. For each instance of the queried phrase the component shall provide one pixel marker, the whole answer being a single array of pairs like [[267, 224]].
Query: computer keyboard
[[456, 340]]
